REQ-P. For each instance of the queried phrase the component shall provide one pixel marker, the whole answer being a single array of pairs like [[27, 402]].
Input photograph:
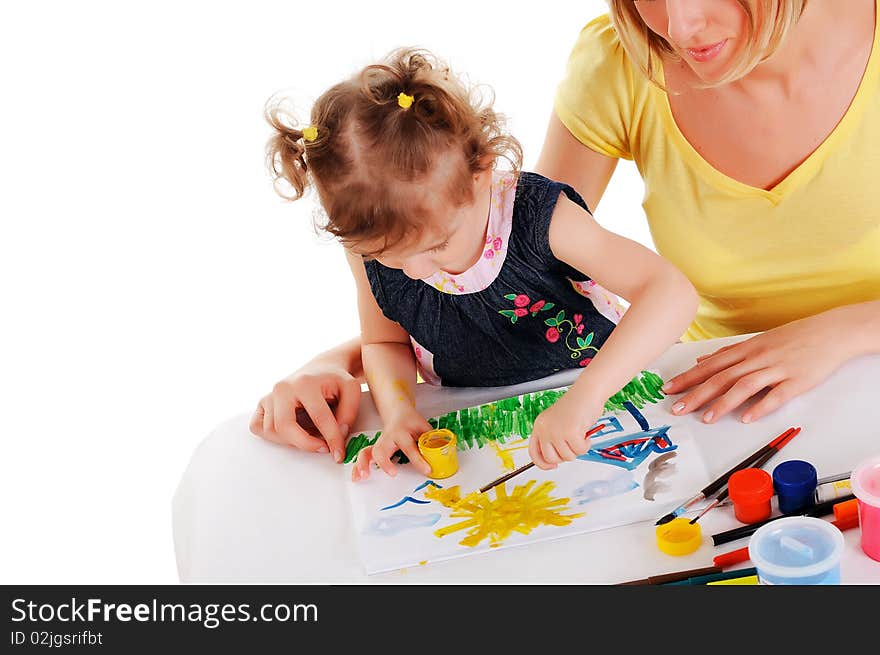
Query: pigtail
[[286, 151]]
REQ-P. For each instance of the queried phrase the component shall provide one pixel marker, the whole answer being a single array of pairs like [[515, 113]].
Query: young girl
[[475, 275]]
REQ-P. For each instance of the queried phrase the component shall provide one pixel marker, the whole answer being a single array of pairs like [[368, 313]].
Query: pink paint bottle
[[865, 482]]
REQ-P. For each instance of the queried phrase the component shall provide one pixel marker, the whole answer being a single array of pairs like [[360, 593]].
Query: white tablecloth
[[249, 511]]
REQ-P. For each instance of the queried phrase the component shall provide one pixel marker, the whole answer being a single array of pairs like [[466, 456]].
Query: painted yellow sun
[[523, 510]]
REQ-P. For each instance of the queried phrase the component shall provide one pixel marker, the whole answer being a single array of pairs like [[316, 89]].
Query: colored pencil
[[821, 509], [506, 477], [747, 580], [717, 484], [758, 464], [714, 577], [673, 577]]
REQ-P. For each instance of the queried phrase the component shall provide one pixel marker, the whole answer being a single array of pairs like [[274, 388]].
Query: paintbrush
[[758, 464], [721, 481], [506, 477]]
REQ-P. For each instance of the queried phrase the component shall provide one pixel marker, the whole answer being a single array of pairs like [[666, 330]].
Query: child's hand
[[558, 433], [401, 434]]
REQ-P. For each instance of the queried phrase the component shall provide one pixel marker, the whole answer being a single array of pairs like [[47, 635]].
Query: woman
[[756, 127]]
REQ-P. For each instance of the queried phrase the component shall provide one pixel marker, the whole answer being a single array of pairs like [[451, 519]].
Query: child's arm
[[662, 305], [390, 370]]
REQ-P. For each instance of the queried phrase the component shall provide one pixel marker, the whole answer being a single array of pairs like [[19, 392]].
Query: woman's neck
[[807, 47]]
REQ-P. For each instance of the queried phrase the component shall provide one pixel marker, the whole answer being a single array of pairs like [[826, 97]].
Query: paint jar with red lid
[[750, 490]]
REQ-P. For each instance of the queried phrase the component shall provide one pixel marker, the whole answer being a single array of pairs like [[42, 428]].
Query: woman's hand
[[400, 434], [788, 360], [300, 410], [558, 433]]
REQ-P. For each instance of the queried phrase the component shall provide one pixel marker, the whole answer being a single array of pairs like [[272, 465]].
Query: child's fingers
[[361, 469], [565, 450], [548, 452], [536, 450], [411, 450], [382, 452]]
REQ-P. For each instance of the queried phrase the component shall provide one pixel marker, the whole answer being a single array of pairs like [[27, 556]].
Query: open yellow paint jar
[[438, 447], [679, 537]]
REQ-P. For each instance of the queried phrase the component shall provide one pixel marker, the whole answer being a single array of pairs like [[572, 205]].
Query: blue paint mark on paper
[[630, 451], [428, 483], [619, 483], [406, 499], [637, 415], [388, 526]]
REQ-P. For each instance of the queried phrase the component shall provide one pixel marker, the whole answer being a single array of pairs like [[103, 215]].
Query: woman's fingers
[[712, 388], [703, 370], [740, 391], [775, 398]]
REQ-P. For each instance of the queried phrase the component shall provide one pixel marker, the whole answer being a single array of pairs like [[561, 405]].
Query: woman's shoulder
[[599, 50], [602, 94]]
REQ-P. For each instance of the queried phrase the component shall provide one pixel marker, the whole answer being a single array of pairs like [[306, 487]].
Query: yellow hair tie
[[310, 133], [405, 101]]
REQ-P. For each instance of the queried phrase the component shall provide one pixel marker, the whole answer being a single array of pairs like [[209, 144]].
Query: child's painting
[[638, 468]]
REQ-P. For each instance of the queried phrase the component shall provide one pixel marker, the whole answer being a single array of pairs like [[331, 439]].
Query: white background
[[153, 284]]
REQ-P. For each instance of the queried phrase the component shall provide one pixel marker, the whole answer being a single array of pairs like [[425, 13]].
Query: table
[[248, 511]]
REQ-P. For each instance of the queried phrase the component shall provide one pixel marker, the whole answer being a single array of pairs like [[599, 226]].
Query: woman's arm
[[565, 159]]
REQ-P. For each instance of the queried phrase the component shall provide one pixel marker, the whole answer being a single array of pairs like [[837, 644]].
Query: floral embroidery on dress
[[521, 307], [559, 327]]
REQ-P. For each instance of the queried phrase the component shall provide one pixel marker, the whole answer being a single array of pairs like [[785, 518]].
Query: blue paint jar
[[795, 484]]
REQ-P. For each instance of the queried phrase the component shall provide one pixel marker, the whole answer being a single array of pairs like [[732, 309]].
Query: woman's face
[[707, 34]]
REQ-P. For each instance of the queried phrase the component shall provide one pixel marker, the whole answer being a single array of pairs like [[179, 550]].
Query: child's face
[[707, 34], [453, 242]]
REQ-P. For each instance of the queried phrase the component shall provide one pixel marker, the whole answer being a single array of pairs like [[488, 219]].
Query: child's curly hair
[[369, 155]]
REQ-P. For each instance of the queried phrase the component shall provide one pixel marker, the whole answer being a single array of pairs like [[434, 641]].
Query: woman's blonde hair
[[769, 23], [375, 138]]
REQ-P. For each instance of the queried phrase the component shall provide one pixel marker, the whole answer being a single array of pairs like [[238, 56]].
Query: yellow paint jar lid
[[679, 537]]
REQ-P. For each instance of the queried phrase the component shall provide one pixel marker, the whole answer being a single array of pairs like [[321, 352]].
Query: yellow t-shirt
[[758, 258]]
